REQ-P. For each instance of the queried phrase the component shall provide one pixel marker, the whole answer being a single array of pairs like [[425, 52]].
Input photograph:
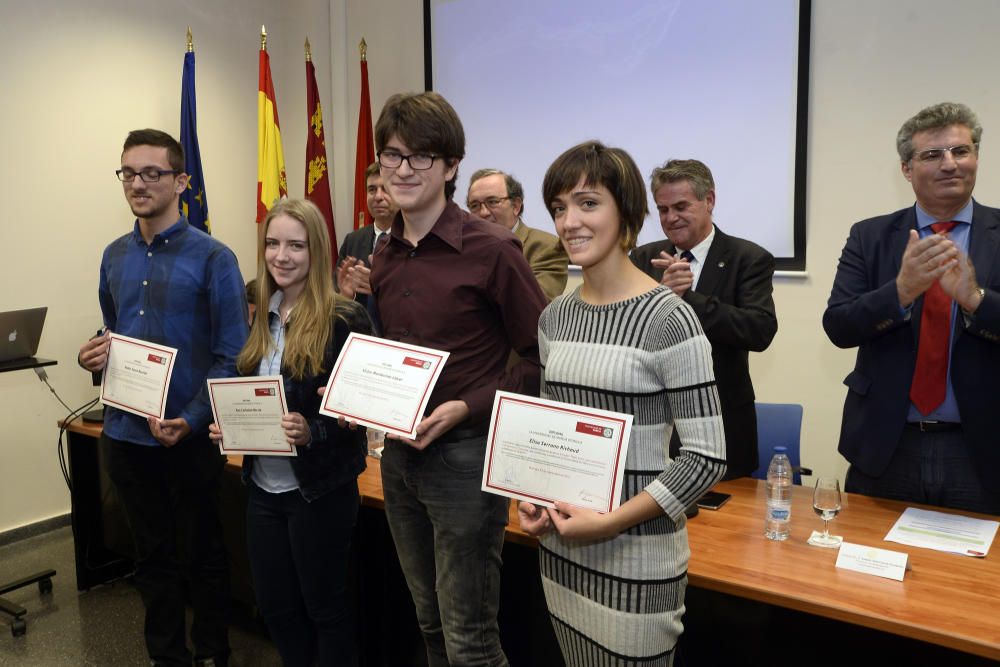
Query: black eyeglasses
[[417, 161], [148, 175]]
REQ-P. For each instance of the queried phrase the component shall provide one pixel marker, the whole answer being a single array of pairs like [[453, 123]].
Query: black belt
[[467, 433], [457, 434], [934, 426]]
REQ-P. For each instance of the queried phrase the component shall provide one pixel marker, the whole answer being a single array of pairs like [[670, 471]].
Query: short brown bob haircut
[[613, 168]]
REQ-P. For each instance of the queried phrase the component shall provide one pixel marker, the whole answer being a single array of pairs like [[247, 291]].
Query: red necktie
[[931, 374]]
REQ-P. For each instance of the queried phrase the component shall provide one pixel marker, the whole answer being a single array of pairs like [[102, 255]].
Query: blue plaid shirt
[[184, 290]]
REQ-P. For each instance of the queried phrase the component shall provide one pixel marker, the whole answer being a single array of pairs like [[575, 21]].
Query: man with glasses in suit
[[916, 292]]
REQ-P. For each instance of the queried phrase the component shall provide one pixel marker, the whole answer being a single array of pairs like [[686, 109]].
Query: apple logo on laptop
[[13, 336]]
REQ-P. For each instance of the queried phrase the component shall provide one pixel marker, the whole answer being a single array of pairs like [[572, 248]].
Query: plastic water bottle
[[779, 496]]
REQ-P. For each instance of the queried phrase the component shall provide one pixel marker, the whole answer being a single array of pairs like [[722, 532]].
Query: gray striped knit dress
[[620, 601]]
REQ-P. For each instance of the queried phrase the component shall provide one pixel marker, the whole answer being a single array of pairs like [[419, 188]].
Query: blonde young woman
[[301, 510], [614, 583]]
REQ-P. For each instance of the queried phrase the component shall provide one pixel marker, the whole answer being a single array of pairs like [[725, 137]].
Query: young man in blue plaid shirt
[[169, 283]]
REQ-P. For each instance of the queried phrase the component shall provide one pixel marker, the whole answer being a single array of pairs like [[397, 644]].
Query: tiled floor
[[100, 628]]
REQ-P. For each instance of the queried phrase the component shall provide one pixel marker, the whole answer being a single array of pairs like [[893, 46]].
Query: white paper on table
[[248, 410], [940, 531], [137, 375], [542, 451], [382, 384], [869, 560]]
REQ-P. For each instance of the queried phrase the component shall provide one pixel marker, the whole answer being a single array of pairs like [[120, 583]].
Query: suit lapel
[[984, 242], [895, 243], [716, 264], [521, 232], [899, 237]]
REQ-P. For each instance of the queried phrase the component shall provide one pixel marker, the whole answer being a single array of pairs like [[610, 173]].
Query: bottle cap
[[781, 449]]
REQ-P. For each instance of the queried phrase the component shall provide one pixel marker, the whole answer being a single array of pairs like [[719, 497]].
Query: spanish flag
[[194, 201], [271, 182], [317, 171], [366, 146]]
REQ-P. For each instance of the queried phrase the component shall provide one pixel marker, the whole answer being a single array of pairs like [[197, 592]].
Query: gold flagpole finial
[[309, 53], [363, 47], [190, 41], [263, 38], [361, 219]]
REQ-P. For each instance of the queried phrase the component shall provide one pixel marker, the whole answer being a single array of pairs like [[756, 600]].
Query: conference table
[[945, 599]]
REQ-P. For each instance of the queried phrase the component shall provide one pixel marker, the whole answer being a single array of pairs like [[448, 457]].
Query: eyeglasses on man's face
[[492, 203], [958, 153], [148, 175], [391, 159]]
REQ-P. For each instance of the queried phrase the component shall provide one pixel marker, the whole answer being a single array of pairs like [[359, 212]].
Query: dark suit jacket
[[359, 244], [864, 312], [734, 304]]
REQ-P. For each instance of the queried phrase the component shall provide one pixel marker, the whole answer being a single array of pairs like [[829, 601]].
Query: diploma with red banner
[[137, 375], [382, 384], [542, 451], [248, 410]]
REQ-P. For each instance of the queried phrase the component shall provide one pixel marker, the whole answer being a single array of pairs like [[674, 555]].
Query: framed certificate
[[248, 410], [137, 376], [382, 384], [543, 451]]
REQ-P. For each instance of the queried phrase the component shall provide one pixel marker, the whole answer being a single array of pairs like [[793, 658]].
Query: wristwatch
[[982, 297]]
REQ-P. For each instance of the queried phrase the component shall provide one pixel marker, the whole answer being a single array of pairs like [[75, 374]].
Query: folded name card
[[869, 560]]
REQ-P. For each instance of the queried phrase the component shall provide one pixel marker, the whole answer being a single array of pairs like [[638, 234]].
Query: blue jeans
[[448, 536], [299, 557], [928, 468]]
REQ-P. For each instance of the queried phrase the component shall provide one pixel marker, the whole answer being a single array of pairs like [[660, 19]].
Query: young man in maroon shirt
[[449, 281]]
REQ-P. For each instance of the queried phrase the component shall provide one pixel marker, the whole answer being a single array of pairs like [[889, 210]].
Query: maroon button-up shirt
[[465, 288]]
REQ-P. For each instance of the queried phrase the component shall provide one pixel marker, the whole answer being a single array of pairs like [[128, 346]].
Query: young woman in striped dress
[[614, 583]]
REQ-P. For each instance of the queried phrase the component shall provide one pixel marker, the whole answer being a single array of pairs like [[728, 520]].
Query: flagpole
[[365, 152], [194, 199], [363, 50], [317, 172], [271, 182]]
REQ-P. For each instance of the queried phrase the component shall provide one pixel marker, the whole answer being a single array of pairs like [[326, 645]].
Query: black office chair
[[18, 626]]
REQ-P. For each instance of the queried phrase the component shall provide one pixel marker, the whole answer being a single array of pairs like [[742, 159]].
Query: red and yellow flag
[[317, 171], [366, 146], [271, 182]]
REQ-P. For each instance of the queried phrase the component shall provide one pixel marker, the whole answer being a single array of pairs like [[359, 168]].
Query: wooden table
[[946, 599]]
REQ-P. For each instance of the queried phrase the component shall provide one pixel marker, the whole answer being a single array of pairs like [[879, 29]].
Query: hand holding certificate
[[137, 375], [542, 451], [248, 411], [382, 384]]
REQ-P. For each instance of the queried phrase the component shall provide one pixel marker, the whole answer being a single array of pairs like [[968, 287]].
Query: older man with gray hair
[[727, 281], [496, 196], [918, 293]]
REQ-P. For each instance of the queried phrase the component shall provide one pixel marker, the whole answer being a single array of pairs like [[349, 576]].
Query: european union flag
[[194, 201]]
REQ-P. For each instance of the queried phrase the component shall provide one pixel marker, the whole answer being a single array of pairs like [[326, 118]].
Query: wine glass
[[826, 503]]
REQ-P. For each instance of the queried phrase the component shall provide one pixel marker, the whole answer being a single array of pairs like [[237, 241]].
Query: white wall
[[76, 78], [69, 103]]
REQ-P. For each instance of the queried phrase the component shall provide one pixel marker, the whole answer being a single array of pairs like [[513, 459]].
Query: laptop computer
[[20, 331]]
